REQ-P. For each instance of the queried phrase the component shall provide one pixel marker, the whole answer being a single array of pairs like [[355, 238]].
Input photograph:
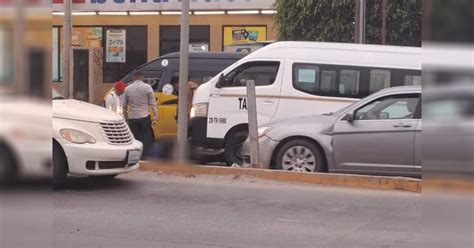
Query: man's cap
[[120, 86]]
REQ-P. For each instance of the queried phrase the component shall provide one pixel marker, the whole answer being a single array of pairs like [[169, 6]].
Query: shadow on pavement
[[93, 184]]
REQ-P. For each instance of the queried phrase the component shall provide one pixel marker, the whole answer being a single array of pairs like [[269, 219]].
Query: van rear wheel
[[233, 148]]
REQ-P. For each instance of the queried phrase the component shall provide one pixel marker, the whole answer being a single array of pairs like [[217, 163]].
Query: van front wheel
[[233, 147]]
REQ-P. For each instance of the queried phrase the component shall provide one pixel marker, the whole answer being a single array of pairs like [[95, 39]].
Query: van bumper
[[198, 134]]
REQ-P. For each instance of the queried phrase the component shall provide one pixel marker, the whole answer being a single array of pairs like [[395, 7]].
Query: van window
[[264, 73], [349, 82], [306, 78], [379, 79], [327, 80], [412, 80]]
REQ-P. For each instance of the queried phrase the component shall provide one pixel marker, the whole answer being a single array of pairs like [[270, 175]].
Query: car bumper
[[99, 159], [266, 147], [198, 134], [34, 157]]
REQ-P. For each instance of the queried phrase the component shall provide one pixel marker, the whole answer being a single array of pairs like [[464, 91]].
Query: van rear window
[[349, 81]]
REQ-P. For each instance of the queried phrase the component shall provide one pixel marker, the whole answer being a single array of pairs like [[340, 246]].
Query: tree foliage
[[333, 21]]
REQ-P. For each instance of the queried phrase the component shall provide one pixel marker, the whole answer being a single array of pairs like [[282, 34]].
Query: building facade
[[124, 34]]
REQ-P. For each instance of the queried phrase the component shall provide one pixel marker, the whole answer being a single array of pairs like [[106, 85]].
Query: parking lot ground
[[145, 209]]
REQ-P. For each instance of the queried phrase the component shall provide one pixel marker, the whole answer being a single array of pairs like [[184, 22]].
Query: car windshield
[[56, 95]]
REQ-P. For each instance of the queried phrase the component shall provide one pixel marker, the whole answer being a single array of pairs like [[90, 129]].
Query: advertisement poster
[[116, 46], [244, 35]]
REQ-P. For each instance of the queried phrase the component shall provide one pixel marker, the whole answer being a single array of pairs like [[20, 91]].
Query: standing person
[[113, 101], [138, 98], [192, 86]]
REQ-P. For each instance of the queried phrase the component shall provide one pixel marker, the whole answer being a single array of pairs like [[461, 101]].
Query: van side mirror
[[221, 82], [349, 117]]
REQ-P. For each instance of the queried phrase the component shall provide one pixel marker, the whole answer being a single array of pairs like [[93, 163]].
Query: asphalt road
[[150, 210]]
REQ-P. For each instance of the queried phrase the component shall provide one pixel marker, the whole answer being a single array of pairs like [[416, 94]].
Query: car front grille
[[117, 133]]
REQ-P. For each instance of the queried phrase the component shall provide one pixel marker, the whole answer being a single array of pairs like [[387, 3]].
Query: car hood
[[82, 111]]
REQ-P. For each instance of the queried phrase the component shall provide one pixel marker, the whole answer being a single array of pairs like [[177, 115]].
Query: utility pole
[[383, 32], [360, 14], [183, 84], [253, 124], [19, 48], [67, 26]]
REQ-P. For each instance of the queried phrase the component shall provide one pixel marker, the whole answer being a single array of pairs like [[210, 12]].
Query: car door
[[228, 102], [381, 136]]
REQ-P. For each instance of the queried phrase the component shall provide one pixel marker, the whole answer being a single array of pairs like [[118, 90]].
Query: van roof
[[343, 53], [206, 55]]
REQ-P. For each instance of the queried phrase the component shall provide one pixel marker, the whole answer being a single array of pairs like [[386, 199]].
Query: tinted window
[[393, 107], [170, 37], [349, 81], [264, 73], [379, 80]]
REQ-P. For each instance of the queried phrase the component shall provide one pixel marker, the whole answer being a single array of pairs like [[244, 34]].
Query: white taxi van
[[294, 79], [89, 140]]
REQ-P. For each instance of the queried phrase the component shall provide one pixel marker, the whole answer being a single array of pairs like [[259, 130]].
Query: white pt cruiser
[[90, 141]]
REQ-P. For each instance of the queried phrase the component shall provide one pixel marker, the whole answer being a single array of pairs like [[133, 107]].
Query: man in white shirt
[[137, 99], [112, 100]]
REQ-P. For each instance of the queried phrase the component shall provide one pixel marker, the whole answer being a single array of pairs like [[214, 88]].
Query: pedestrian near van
[[138, 98], [113, 99]]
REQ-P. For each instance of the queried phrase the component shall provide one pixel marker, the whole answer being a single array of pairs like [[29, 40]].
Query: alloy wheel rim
[[299, 159]]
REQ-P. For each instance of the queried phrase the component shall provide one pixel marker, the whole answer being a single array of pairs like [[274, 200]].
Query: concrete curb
[[329, 179]]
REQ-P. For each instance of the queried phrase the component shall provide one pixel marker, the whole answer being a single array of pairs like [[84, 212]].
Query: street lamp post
[[67, 49], [183, 83]]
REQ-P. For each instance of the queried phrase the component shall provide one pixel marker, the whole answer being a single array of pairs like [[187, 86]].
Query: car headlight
[[199, 110], [76, 136], [262, 131]]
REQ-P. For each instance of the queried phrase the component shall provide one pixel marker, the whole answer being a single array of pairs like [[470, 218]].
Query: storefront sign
[[149, 5], [244, 35], [116, 46]]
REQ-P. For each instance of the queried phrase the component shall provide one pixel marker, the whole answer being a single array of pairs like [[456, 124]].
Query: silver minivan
[[380, 134]]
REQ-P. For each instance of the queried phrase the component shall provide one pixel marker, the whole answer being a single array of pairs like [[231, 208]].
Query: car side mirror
[[349, 117], [221, 82]]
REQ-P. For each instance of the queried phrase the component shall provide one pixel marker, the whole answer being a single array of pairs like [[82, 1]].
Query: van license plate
[[134, 156]]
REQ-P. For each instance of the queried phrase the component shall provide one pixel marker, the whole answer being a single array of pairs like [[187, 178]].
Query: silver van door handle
[[268, 102], [401, 124]]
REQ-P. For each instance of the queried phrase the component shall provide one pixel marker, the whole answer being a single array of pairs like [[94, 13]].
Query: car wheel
[[300, 156], [60, 167], [8, 169], [233, 148]]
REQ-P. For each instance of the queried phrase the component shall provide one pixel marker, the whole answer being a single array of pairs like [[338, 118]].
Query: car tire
[[60, 167], [8, 168], [233, 147], [301, 156]]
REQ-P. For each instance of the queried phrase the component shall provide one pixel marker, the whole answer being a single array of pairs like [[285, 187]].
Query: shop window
[[170, 38], [57, 73], [135, 55], [6, 67]]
